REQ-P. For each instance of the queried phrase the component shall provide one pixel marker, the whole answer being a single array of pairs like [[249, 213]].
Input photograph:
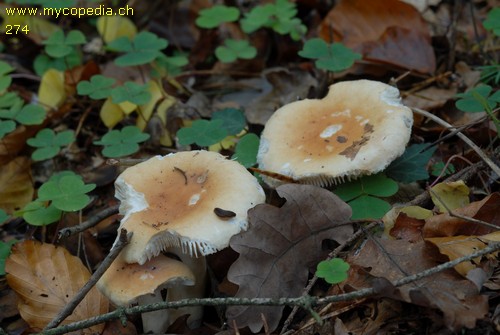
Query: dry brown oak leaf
[[46, 278], [280, 247], [389, 260]]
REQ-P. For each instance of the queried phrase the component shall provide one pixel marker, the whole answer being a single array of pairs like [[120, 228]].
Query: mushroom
[[357, 129], [125, 284], [187, 203]]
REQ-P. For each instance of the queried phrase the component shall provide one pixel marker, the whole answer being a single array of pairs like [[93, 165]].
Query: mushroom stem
[[198, 266], [155, 322]]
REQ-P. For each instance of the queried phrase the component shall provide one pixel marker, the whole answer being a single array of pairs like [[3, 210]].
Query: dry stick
[[123, 240], [462, 217], [303, 301], [313, 280], [464, 138], [91, 222]]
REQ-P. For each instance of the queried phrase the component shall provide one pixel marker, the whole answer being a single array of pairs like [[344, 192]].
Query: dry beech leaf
[[446, 225], [280, 247], [389, 260], [16, 185], [386, 31], [45, 279], [459, 246]]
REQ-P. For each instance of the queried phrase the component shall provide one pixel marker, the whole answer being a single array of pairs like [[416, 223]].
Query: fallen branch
[[304, 301], [91, 222]]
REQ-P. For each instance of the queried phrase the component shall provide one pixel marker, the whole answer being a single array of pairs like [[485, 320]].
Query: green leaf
[[49, 143], [8, 100], [170, 66], [43, 62], [492, 21], [66, 194], [202, 133], [5, 79], [378, 185], [130, 91], [124, 142], [437, 169], [471, 100], [368, 207], [3, 216], [332, 57], [257, 18], [246, 150], [6, 127], [58, 45], [334, 271], [37, 213], [412, 165], [214, 16], [99, 87], [143, 49], [4, 253], [31, 115], [234, 49], [233, 120]]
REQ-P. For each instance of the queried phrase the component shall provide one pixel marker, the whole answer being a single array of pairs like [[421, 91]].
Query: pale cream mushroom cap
[[359, 128], [125, 283], [172, 200]]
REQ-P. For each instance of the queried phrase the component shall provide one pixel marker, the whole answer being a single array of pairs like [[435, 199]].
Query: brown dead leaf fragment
[[16, 185], [280, 247], [45, 279], [389, 260], [385, 31]]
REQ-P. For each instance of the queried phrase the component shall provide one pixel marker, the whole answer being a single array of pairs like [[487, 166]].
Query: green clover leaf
[[43, 62], [49, 143], [233, 120], [130, 91], [214, 16], [202, 133], [27, 114], [234, 49], [170, 65], [412, 164], [3, 216], [58, 45], [6, 127], [40, 213], [143, 49], [257, 18], [331, 57], [334, 271], [492, 21], [474, 100], [68, 193], [361, 195], [99, 87], [246, 150], [4, 253], [119, 143], [5, 79]]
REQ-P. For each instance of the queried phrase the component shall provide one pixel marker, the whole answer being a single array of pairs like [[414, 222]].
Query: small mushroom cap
[[124, 283], [357, 129], [196, 200]]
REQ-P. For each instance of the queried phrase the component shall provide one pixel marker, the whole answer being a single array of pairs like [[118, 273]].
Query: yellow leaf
[[145, 111], [227, 143], [51, 93], [417, 212], [45, 279], [127, 107], [163, 108], [16, 186], [453, 194], [111, 114], [166, 139], [112, 27]]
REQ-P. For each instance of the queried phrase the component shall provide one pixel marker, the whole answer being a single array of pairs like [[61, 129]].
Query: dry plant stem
[[333, 254], [70, 306], [303, 301], [91, 222], [464, 138], [463, 217]]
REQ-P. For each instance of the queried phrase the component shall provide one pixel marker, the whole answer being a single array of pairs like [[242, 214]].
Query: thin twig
[[123, 240], [300, 301], [464, 138], [91, 222]]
